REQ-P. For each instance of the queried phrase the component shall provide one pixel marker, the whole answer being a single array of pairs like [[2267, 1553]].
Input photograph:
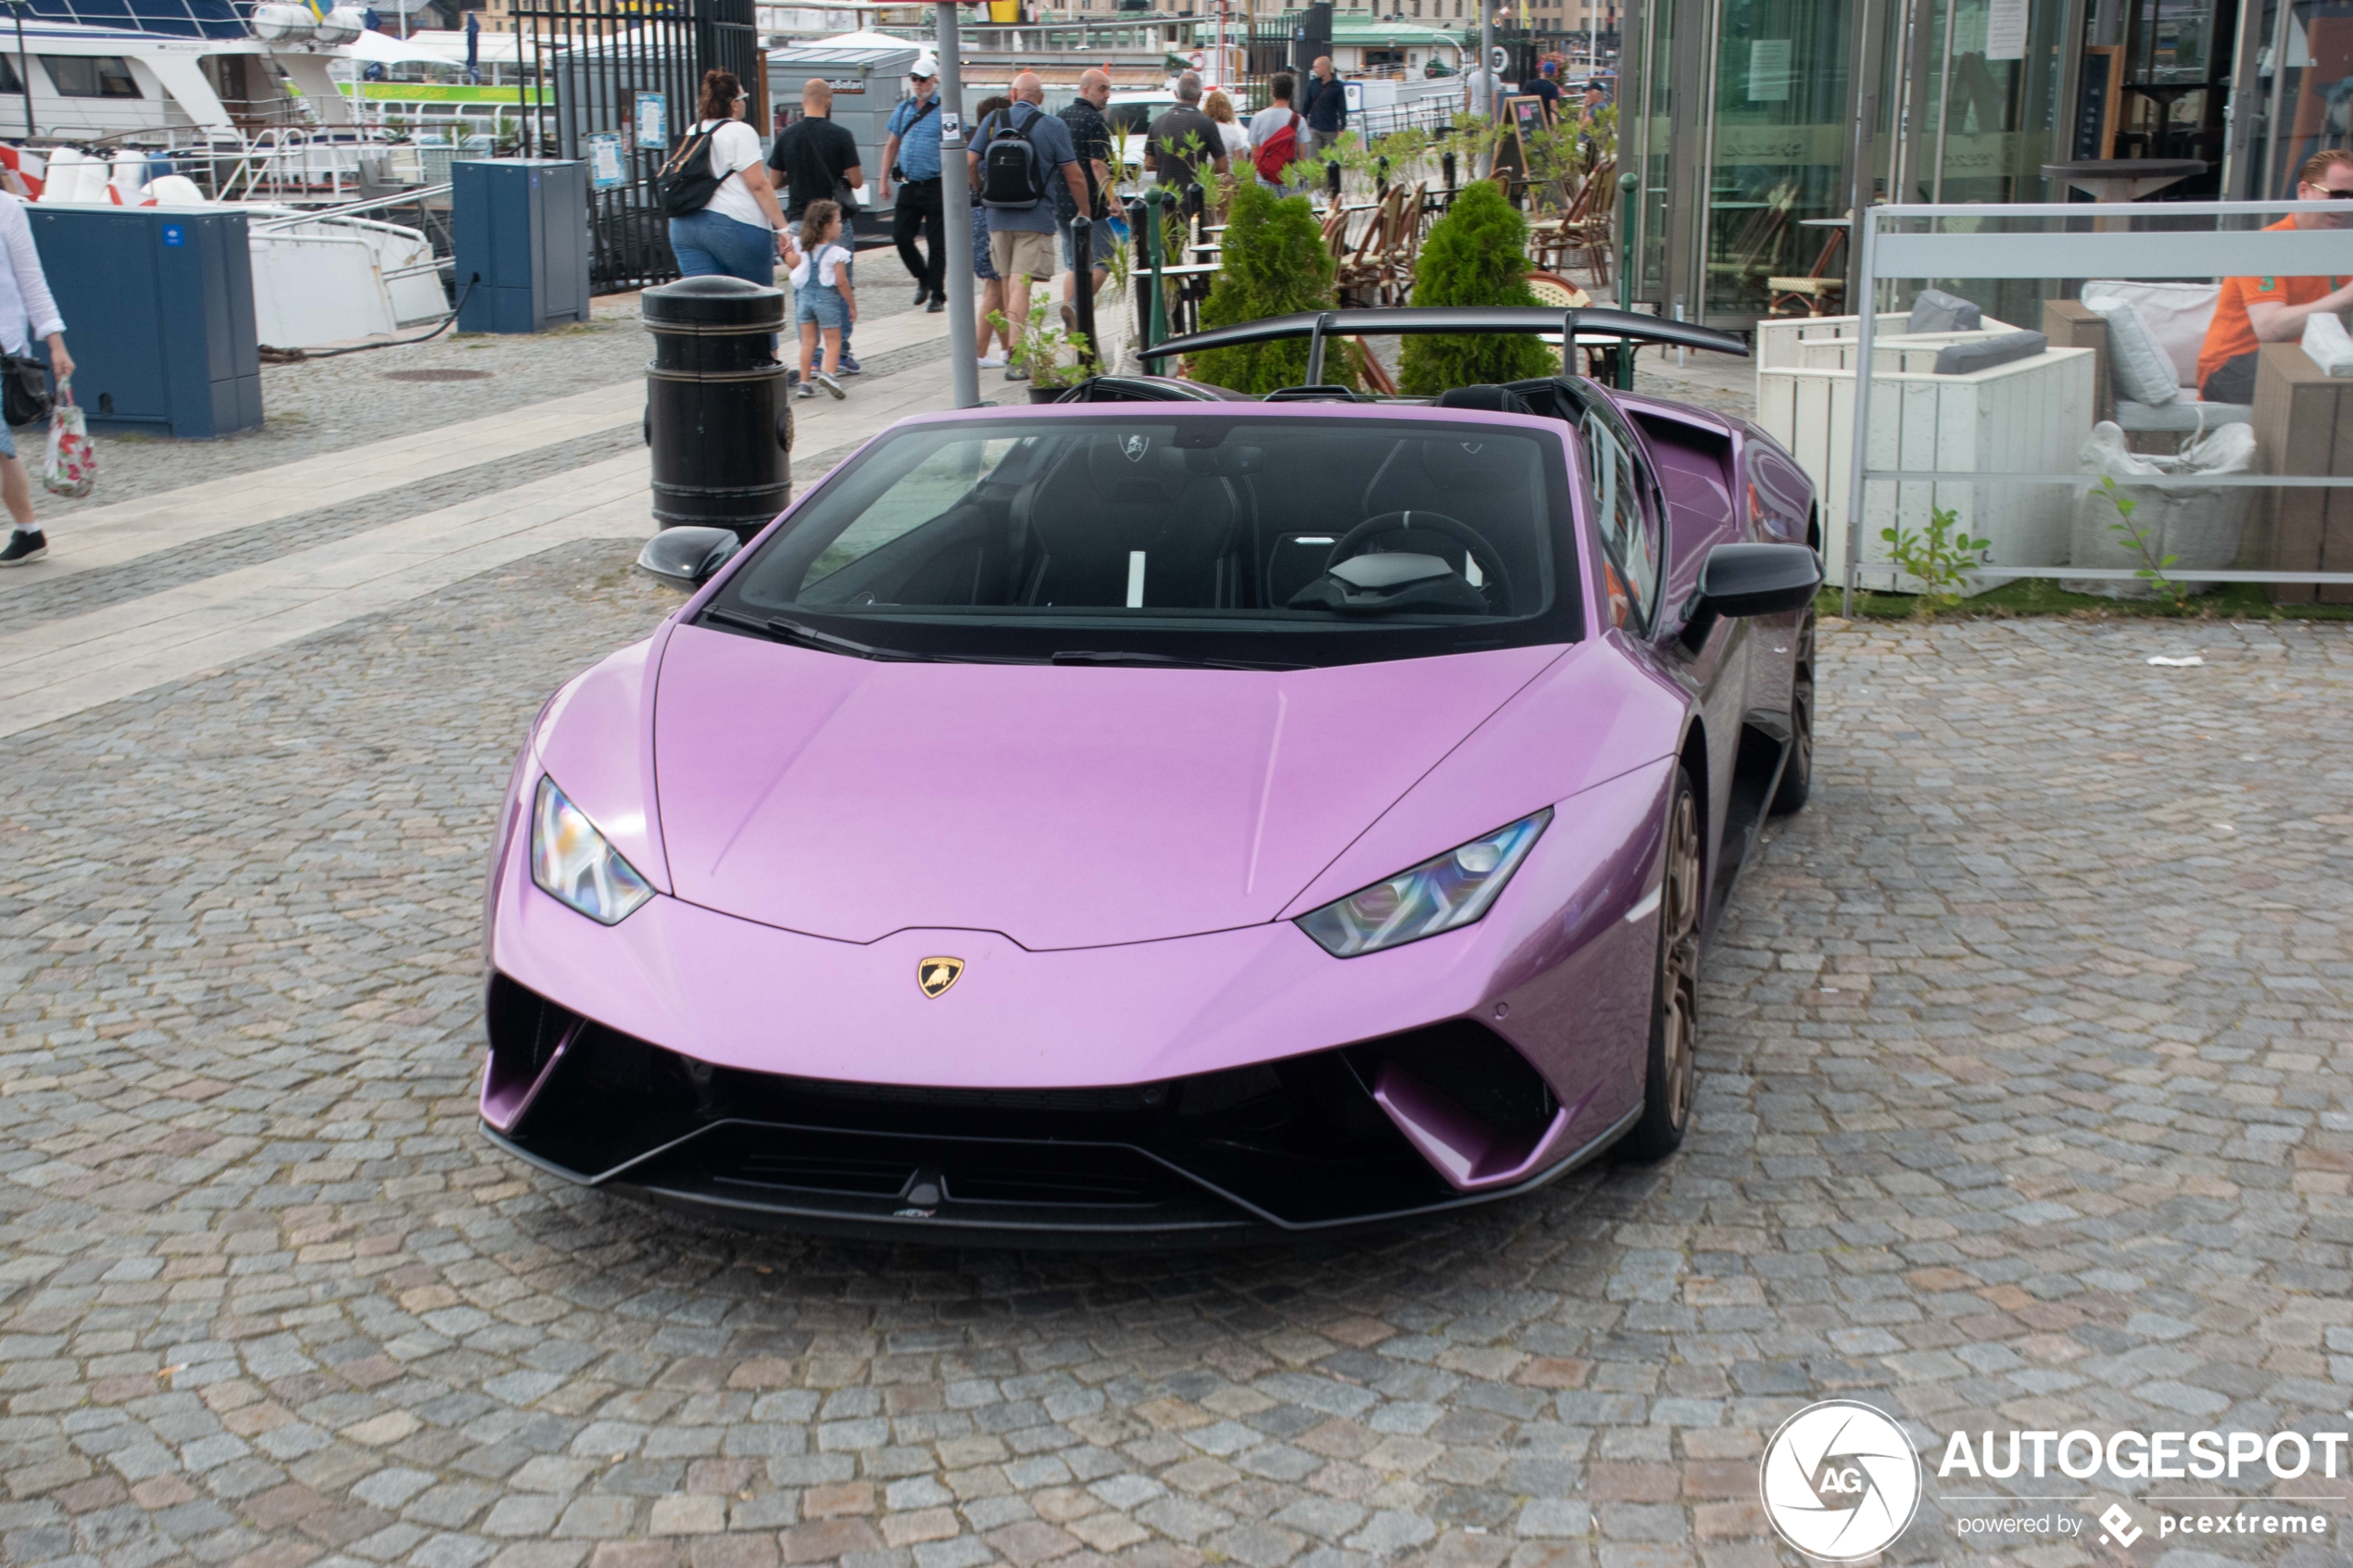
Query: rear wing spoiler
[[1316, 326]]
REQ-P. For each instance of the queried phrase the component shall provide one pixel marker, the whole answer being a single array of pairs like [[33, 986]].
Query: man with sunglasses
[[2254, 311]]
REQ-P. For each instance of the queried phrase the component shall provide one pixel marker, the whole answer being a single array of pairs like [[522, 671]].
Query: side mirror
[[687, 558], [1745, 580]]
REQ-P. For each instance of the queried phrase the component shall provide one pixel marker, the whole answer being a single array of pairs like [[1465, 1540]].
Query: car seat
[[1121, 493]]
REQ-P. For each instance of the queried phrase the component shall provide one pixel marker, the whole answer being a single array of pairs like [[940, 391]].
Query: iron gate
[[615, 68]]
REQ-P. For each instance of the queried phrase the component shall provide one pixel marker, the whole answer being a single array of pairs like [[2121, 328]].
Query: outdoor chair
[[1819, 293]]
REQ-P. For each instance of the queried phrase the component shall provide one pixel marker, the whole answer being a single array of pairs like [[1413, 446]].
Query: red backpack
[[1278, 153]]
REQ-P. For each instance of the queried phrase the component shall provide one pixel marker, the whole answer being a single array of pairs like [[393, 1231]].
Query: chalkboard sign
[[2096, 103]]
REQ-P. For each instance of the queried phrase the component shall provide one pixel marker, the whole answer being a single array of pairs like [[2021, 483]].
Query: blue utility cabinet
[[158, 310], [520, 230]]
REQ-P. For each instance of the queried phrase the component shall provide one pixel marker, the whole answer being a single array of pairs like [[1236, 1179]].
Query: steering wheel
[[1498, 586]]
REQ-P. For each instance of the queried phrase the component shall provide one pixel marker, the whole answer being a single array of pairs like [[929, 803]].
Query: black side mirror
[[1744, 580], [686, 557]]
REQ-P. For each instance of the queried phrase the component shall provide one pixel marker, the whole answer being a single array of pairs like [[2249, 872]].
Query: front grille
[[1298, 1142]]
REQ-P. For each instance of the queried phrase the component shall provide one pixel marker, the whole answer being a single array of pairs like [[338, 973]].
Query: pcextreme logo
[[1839, 1480]]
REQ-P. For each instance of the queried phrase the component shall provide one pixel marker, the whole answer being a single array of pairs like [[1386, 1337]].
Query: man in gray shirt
[[1020, 239]]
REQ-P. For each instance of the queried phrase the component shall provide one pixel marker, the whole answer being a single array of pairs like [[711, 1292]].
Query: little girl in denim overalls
[[824, 302]]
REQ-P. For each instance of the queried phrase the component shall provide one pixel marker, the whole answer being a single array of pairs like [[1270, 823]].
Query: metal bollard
[[716, 414], [1082, 293], [1331, 180], [1446, 163]]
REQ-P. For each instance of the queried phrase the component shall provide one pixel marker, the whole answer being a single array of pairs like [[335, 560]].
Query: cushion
[[2175, 314], [1963, 359], [2137, 368], [2327, 345], [1936, 312]]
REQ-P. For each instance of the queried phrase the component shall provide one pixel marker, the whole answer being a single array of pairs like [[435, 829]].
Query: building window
[[92, 76]]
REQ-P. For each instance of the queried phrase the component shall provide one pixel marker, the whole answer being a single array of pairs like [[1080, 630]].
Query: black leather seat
[[1126, 491]]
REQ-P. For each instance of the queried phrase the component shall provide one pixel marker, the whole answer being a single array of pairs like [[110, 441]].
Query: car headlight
[[571, 860], [1439, 894]]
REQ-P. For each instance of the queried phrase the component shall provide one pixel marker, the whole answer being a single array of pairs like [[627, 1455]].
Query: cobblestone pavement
[[2025, 1102]]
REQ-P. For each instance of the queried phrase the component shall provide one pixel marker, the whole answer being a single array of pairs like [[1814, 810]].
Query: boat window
[[92, 76], [1232, 537], [9, 81]]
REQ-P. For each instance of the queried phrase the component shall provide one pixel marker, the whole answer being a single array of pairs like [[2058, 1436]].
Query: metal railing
[[1911, 427]]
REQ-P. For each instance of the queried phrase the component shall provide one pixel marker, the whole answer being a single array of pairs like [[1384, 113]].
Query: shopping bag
[[72, 468]]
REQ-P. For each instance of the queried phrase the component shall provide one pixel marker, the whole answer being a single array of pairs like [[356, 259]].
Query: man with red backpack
[[1274, 134]]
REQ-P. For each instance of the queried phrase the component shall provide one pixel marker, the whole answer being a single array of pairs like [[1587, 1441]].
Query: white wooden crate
[[2030, 416]]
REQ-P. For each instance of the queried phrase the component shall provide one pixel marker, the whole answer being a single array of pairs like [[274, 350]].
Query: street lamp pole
[[955, 191]]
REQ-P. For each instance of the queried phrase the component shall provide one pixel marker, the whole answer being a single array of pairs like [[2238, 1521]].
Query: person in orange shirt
[[2254, 311]]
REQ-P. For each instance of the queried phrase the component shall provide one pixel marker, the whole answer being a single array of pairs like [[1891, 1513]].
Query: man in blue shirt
[[910, 157], [1021, 237]]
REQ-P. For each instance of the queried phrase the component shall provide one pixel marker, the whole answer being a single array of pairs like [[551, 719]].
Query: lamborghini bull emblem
[[934, 975], [1135, 447]]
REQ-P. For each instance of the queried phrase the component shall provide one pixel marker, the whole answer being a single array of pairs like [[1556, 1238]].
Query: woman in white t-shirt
[[742, 232]]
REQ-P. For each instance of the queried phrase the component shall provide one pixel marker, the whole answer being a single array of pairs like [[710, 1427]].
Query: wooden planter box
[[2304, 424]]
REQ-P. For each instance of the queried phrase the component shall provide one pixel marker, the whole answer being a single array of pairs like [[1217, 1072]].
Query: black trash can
[[717, 416]]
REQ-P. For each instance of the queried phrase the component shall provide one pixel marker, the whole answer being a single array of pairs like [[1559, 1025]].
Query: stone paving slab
[[2025, 1099]]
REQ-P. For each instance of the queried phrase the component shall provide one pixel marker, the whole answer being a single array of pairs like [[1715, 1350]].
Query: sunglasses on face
[[2328, 192]]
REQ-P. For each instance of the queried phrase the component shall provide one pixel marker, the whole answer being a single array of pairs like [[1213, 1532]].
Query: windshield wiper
[[783, 630], [1177, 661]]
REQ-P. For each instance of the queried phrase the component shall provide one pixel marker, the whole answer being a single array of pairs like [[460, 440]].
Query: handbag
[[72, 468], [25, 398]]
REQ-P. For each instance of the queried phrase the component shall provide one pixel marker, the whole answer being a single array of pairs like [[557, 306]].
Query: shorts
[[1017, 253], [8, 442], [1100, 242], [823, 304]]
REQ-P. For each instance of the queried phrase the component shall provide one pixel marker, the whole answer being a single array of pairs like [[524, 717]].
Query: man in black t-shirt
[[1090, 135], [813, 160]]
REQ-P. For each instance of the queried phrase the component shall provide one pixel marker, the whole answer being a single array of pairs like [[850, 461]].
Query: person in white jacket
[[27, 313]]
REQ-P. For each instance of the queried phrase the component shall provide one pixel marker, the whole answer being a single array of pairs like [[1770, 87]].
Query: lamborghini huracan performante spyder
[[1164, 815]]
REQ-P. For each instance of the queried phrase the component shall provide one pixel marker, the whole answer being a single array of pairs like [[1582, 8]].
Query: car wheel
[[1673, 1068], [1797, 773]]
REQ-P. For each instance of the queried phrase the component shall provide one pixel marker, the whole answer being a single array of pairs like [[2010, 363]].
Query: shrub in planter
[[1476, 255], [1273, 263]]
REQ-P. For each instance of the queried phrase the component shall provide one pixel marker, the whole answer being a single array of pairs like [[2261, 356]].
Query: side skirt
[[1756, 773]]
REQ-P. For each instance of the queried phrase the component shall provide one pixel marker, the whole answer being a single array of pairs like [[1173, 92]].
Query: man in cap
[[910, 157]]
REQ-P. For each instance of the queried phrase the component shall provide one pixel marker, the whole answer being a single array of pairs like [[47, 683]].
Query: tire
[[1672, 1069], [1797, 773]]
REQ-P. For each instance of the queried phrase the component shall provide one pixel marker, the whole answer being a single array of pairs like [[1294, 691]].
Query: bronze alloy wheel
[[1673, 1068], [1797, 772]]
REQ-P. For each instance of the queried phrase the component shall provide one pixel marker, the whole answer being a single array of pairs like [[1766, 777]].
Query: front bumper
[[1298, 1145]]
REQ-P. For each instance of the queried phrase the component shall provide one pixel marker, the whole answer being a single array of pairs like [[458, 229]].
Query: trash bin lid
[[715, 301]]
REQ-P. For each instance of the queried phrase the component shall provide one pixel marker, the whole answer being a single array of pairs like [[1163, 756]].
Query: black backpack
[[1011, 174], [685, 184]]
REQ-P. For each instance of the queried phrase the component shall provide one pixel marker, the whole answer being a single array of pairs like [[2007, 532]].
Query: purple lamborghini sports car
[[1164, 815]]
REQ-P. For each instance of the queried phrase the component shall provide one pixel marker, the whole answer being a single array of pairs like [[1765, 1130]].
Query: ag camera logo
[[1839, 1480]]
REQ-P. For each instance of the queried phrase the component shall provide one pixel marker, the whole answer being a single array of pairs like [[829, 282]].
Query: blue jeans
[[711, 244]]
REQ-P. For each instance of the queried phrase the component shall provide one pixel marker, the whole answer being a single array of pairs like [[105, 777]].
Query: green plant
[[1039, 345], [1938, 558], [1273, 263], [1476, 255], [2152, 567]]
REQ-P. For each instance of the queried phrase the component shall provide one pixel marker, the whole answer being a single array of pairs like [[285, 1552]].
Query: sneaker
[[24, 546], [849, 365], [939, 303], [1016, 372], [831, 385], [1070, 319], [806, 389], [993, 361]]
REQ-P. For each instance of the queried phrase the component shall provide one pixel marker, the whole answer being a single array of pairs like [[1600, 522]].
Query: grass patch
[[2042, 596]]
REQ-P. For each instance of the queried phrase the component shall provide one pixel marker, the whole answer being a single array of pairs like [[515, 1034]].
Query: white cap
[[925, 67]]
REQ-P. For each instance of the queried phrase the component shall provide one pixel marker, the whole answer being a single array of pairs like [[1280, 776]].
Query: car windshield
[[1250, 538]]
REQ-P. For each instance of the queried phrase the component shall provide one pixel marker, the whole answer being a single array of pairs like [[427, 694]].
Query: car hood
[[1060, 807]]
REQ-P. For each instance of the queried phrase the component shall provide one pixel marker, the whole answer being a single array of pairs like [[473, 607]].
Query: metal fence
[[2109, 452], [630, 69]]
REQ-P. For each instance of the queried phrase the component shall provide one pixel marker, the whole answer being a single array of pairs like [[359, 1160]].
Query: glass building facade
[[1756, 125]]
